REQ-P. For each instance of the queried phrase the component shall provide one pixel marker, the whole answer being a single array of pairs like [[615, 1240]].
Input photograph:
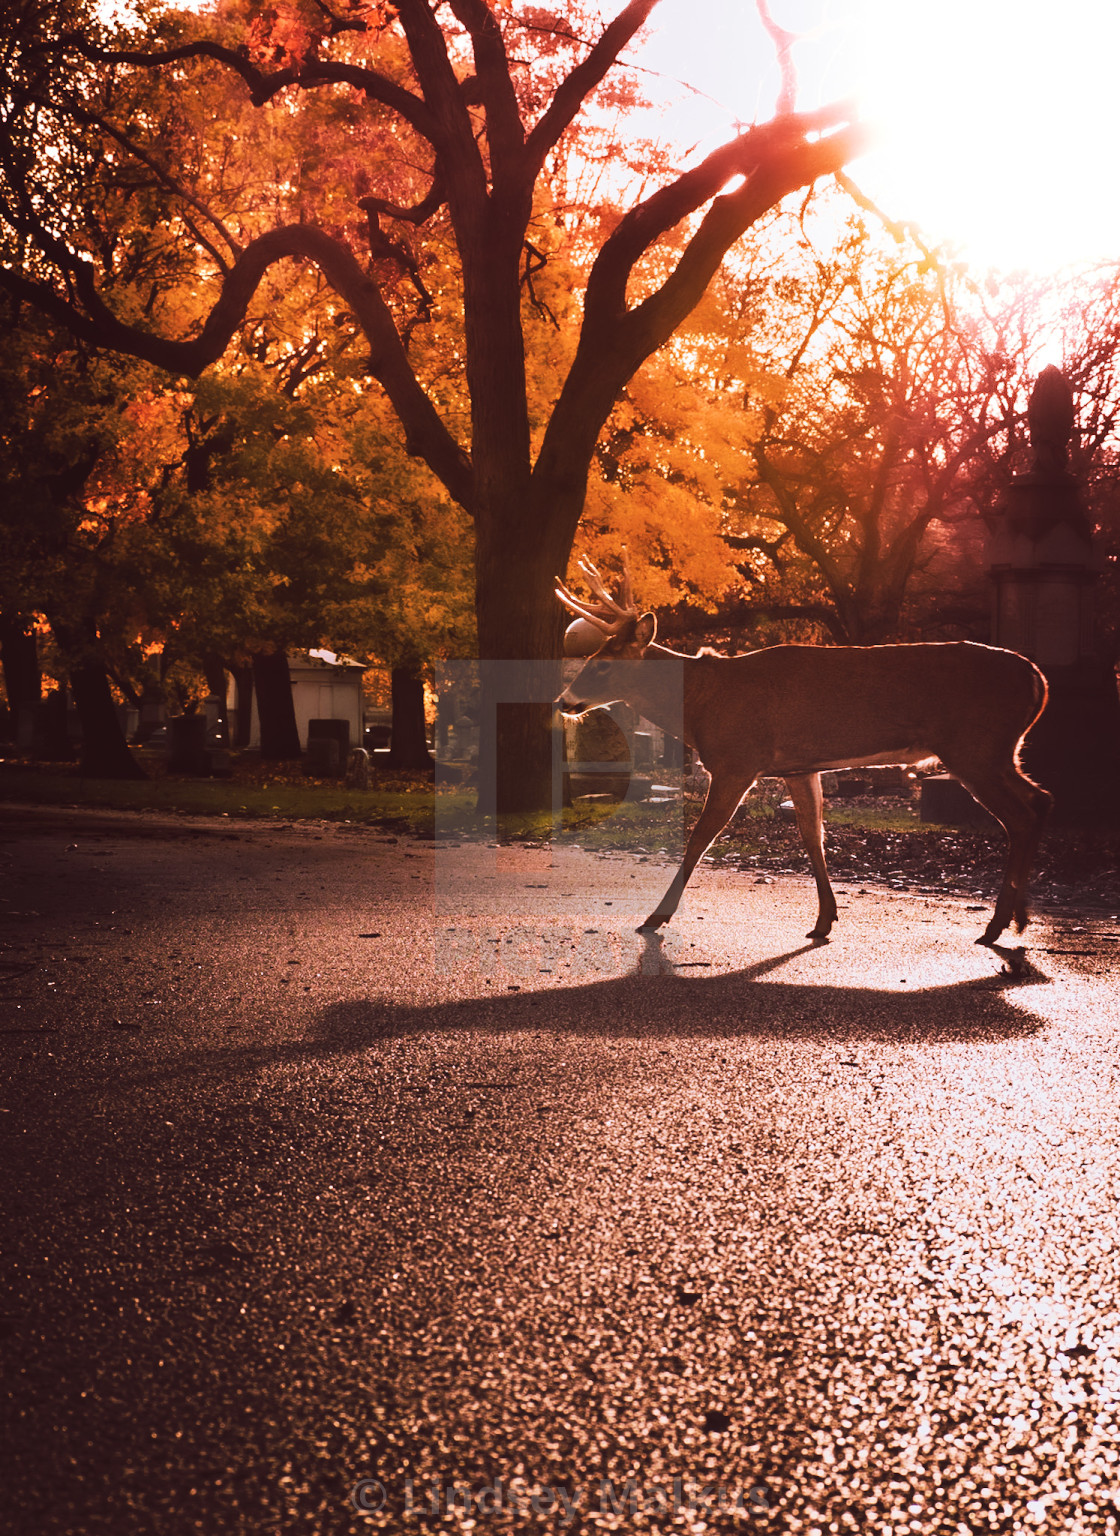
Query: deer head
[[624, 635]]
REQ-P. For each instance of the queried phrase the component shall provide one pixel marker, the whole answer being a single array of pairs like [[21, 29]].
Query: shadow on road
[[676, 1002]]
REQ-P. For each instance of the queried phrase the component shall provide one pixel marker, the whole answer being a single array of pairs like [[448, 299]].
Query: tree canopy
[[380, 307], [396, 151]]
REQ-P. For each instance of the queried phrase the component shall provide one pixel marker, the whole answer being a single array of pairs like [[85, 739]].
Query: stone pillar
[[1044, 567]]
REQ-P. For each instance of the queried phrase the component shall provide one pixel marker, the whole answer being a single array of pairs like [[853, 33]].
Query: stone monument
[[1044, 567]]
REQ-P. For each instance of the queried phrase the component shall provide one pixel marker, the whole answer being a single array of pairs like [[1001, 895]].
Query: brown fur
[[796, 710]]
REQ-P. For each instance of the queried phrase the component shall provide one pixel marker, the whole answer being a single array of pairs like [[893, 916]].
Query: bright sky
[[998, 120]]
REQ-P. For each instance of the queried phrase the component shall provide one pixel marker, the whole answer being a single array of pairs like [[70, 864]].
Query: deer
[[794, 711]]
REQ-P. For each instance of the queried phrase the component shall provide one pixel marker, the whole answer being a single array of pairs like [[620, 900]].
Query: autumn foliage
[[342, 325], [399, 158]]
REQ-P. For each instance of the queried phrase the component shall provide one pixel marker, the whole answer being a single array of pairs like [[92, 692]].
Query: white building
[[324, 687]]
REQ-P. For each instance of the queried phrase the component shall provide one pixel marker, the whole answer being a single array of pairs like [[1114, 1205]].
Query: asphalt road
[[339, 1171]]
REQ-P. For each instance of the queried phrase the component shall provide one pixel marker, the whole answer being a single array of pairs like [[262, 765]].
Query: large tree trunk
[[23, 681], [408, 747], [520, 628], [105, 753], [273, 684]]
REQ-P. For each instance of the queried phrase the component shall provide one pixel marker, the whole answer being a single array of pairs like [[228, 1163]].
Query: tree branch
[[775, 158], [420, 213], [92, 320], [574, 89], [162, 175], [900, 232], [337, 24], [771, 548], [783, 45], [383, 247], [262, 87], [503, 119], [452, 135], [789, 515]]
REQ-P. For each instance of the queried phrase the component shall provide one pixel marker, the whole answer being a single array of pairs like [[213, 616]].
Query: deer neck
[[658, 688]]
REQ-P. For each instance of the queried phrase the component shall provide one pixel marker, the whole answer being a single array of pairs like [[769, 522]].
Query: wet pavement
[[333, 1206]]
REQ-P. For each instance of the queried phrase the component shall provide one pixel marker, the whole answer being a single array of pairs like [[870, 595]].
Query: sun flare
[[995, 121], [998, 124]]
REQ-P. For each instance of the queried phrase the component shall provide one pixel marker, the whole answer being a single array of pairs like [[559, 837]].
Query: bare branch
[[383, 247], [900, 231], [536, 262], [432, 201], [783, 42], [774, 159], [791, 516]]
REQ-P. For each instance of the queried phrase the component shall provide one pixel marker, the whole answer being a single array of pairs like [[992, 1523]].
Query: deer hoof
[[652, 923]]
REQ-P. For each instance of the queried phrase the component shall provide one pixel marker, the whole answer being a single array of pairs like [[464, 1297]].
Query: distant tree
[[813, 454], [294, 523], [60, 418], [875, 404], [23, 678]]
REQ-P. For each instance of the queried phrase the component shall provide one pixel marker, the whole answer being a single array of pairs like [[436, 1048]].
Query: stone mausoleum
[[1045, 566]]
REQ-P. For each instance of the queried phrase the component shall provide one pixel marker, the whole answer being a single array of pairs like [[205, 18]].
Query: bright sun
[[997, 120]]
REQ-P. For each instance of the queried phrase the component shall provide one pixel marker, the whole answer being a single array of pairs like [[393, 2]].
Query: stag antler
[[608, 614]]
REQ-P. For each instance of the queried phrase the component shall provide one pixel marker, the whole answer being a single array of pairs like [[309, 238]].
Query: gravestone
[[1044, 566], [328, 747], [186, 738]]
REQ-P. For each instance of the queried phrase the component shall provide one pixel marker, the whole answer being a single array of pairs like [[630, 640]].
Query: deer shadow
[[662, 1005], [674, 1002]]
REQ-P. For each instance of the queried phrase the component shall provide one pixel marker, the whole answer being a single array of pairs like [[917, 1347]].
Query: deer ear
[[645, 630]]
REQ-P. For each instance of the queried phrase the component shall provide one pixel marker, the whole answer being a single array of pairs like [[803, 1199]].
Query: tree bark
[[408, 747], [273, 684], [105, 753], [23, 681], [520, 630]]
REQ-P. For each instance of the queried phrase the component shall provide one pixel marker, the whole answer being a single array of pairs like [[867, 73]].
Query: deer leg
[[1036, 803], [1041, 801], [721, 804], [808, 803], [1021, 808]]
